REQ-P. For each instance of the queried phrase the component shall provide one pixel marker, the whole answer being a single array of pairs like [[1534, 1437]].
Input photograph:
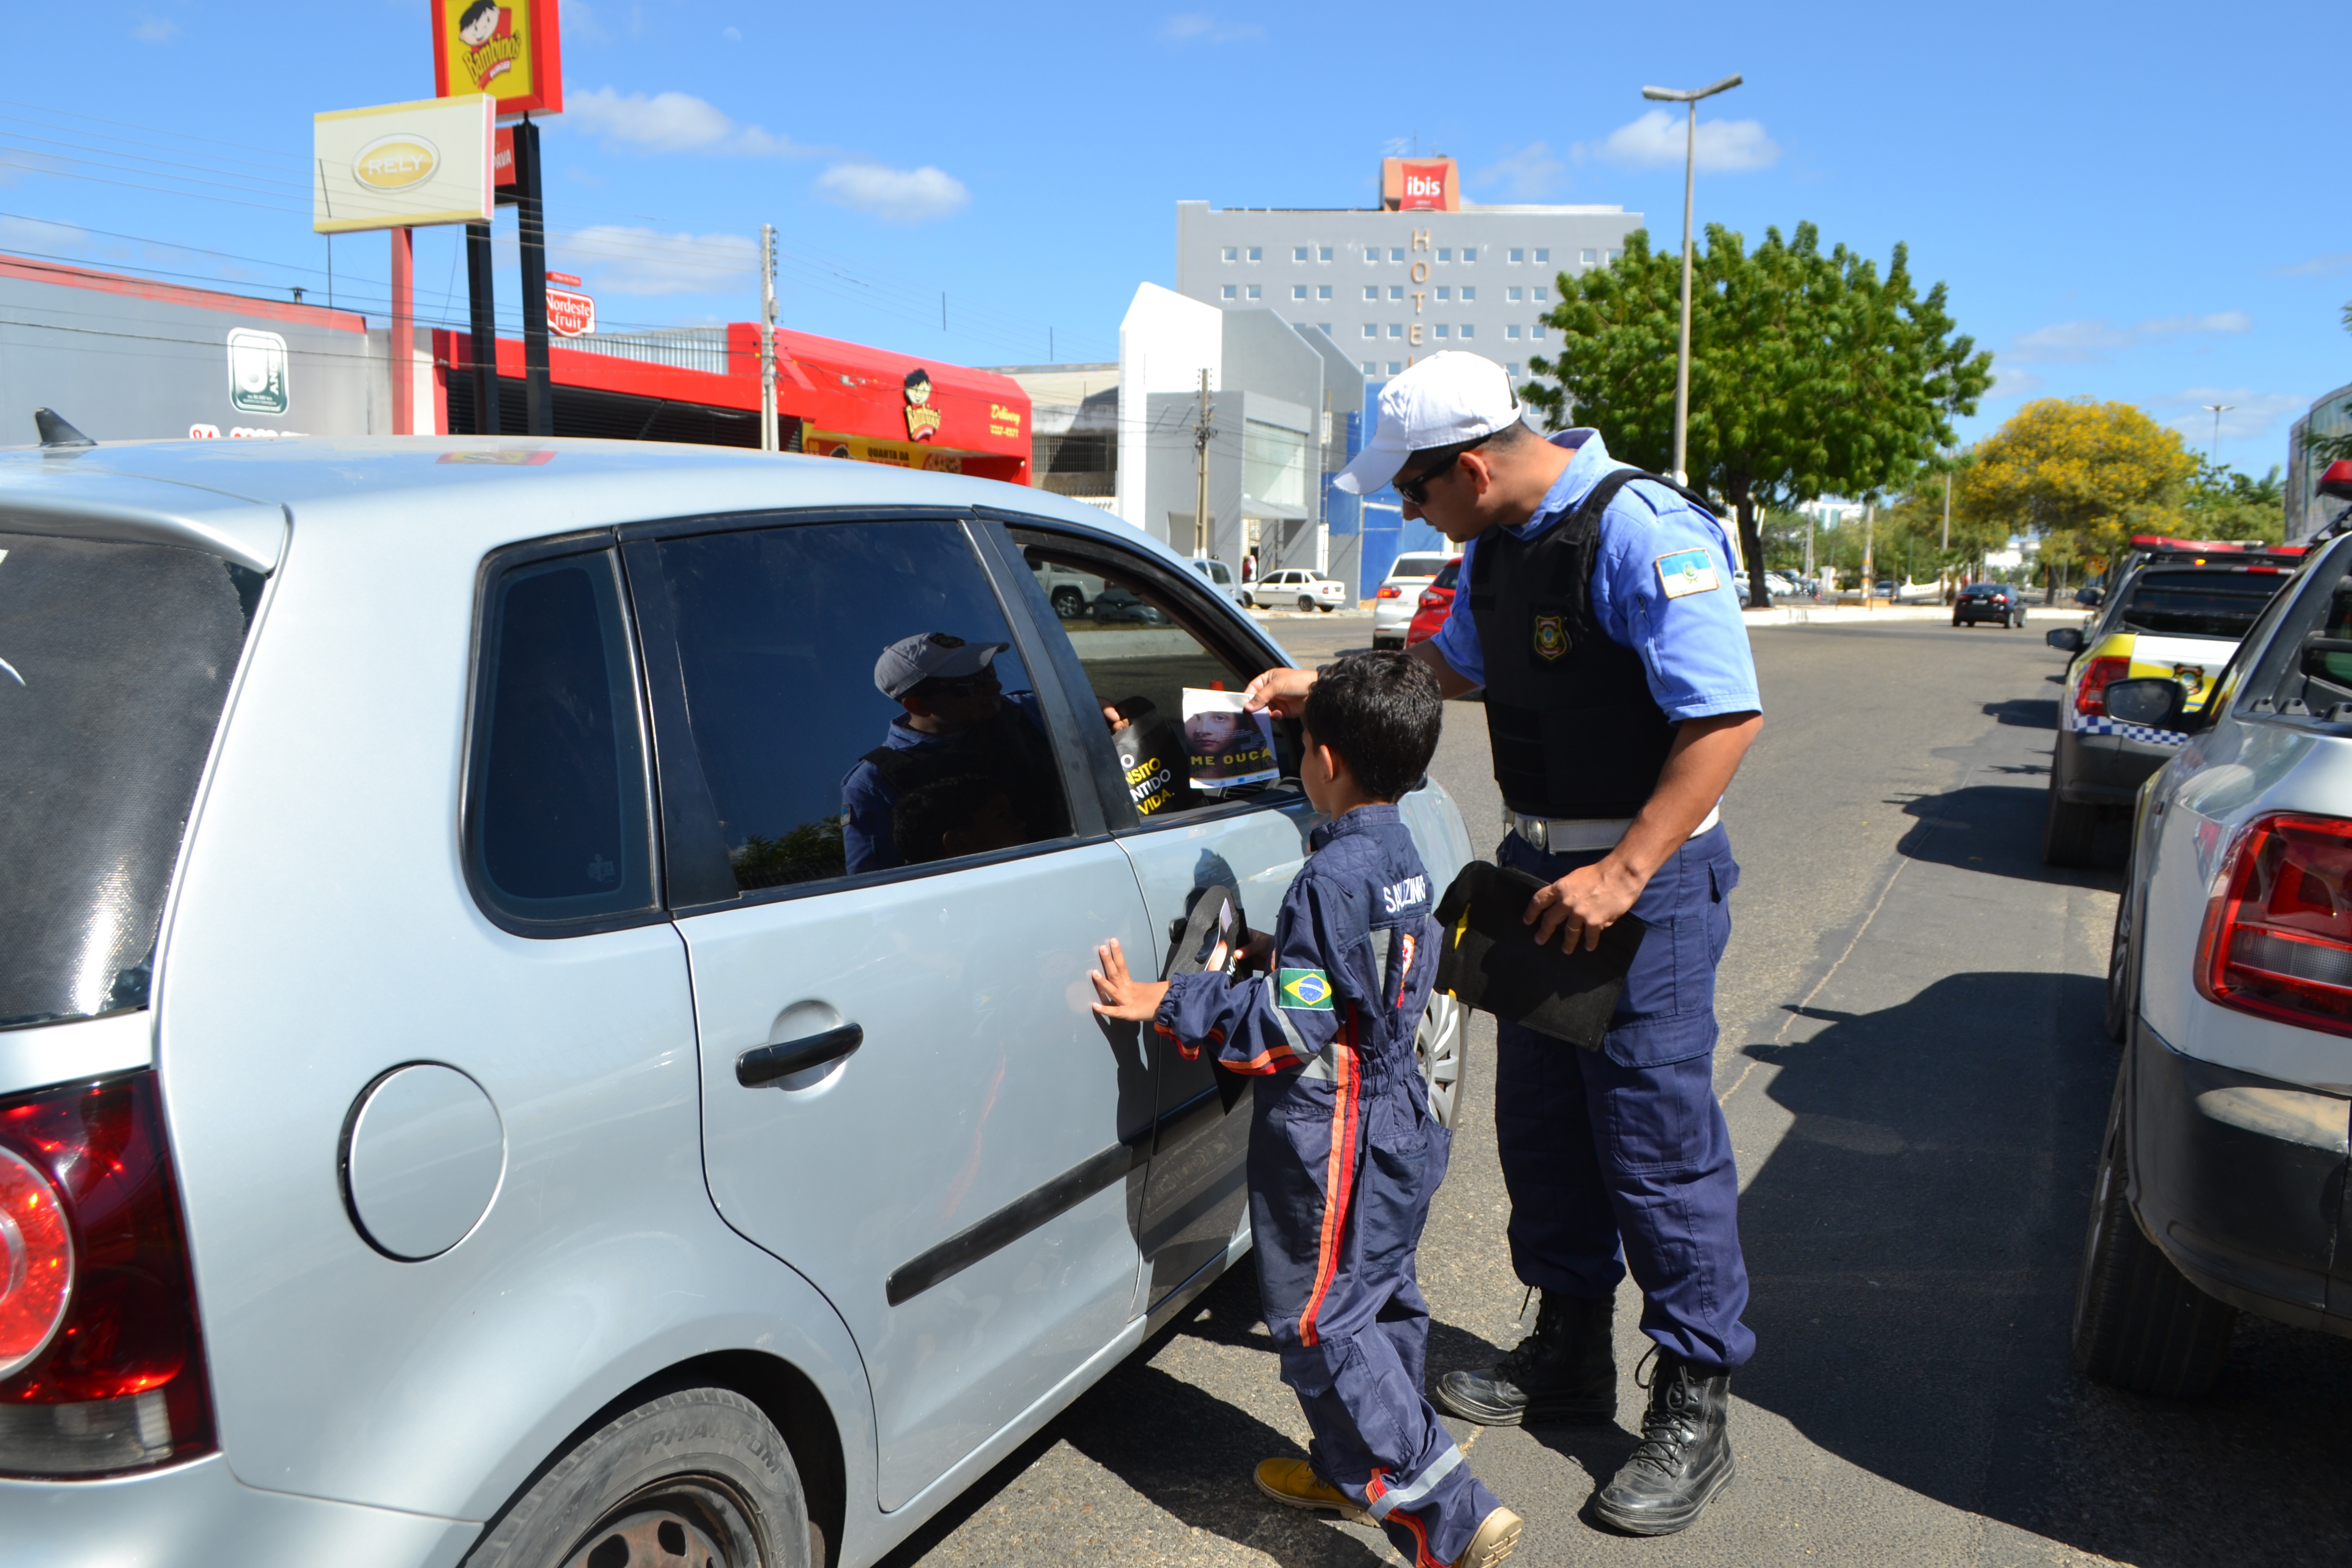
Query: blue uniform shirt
[[1693, 643], [869, 799]]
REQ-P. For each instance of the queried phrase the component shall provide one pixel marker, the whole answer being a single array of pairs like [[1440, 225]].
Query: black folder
[[1490, 960]]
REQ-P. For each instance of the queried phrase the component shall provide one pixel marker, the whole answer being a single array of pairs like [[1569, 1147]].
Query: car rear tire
[[2119, 977], [699, 1473], [1069, 604], [2139, 1324], [1304, 604], [2068, 830]]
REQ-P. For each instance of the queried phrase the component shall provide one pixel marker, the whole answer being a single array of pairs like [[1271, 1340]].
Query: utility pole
[[768, 441], [1202, 431], [1690, 177], [1869, 566]]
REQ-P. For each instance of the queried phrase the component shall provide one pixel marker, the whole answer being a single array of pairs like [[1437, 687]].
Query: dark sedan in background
[[1995, 601]]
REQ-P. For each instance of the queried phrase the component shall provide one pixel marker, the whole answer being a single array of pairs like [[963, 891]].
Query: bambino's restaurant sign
[[508, 48]]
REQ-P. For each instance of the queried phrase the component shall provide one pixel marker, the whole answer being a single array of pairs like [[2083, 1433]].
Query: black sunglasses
[[1416, 489]]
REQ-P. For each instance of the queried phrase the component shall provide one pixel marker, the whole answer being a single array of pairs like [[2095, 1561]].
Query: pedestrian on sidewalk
[[1344, 1153], [1597, 612]]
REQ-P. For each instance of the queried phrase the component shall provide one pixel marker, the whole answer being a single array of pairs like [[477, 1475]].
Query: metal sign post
[[537, 387], [481, 288], [768, 441]]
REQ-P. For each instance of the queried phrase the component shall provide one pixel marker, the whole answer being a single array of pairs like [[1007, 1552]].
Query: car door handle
[[766, 1064]]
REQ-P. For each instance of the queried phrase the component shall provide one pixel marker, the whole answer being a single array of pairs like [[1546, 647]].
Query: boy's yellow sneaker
[[1294, 1484], [1498, 1534]]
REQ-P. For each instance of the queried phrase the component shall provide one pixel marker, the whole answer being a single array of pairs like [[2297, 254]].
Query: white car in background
[[1400, 593], [1295, 588], [1221, 578]]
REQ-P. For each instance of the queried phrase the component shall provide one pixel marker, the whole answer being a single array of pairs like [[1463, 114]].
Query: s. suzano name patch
[[1687, 572]]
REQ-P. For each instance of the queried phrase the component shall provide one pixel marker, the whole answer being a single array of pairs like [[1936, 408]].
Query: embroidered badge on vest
[[1551, 637]]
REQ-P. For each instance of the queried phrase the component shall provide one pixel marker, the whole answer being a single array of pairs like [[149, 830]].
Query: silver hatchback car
[[503, 1056]]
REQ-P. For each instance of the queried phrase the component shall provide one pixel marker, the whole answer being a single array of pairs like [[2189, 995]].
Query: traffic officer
[[1597, 609]]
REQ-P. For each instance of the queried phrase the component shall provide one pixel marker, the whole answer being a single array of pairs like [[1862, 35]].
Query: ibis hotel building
[[1424, 270]]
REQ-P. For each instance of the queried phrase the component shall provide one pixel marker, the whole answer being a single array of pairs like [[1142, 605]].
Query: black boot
[[1565, 1370], [1684, 1457]]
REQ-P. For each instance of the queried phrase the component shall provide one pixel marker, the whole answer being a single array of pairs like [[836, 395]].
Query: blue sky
[[2147, 203]]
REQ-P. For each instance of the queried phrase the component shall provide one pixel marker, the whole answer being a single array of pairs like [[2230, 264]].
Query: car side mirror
[[2068, 638], [2089, 597], [2151, 701]]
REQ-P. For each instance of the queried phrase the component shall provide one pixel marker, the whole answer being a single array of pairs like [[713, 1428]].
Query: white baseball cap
[[1437, 402]]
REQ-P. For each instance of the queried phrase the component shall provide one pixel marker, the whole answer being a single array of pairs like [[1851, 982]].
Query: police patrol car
[[2177, 612]]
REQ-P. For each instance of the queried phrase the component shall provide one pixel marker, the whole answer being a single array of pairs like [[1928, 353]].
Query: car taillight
[[114, 1379], [1389, 591], [2090, 697], [1431, 598], [2278, 940]]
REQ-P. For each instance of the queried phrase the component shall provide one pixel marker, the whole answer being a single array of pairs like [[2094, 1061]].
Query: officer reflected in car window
[[957, 725]]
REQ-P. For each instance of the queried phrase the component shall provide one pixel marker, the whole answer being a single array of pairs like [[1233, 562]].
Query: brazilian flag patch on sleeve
[[1304, 990]]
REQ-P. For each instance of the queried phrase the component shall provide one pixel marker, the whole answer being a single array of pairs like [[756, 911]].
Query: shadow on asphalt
[[1913, 1242], [2026, 713], [1996, 829]]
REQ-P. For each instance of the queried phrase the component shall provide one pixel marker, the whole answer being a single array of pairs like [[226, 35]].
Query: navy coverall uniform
[[1593, 641], [1344, 1157]]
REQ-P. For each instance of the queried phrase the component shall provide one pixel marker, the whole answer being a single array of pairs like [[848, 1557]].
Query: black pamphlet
[[1490, 960]]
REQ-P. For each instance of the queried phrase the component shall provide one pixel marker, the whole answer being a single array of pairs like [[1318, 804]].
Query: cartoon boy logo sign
[[487, 30], [922, 419]]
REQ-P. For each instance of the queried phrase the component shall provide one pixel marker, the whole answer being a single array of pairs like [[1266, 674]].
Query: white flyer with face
[[1229, 747]]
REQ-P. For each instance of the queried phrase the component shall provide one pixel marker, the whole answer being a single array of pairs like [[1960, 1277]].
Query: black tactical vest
[[1575, 730], [1005, 748]]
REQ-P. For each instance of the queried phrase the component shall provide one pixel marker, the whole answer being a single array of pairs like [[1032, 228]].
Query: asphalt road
[[1913, 1071]]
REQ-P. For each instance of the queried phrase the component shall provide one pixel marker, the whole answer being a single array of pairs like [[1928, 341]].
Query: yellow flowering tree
[[2085, 476]]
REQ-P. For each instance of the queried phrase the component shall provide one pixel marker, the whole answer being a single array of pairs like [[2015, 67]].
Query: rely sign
[[401, 166]]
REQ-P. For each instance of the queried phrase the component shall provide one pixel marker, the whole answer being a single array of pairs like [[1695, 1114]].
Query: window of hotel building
[[1396, 367], [1510, 331], [1228, 292], [1253, 292], [1540, 295], [1517, 254], [1396, 328], [1512, 368], [1613, 256], [1233, 254], [1439, 330], [1537, 330], [1512, 295], [1298, 290], [1369, 331], [1371, 290], [1323, 253], [1587, 257], [1444, 293], [1298, 253], [1372, 367], [1396, 253], [1257, 253], [1445, 253], [1468, 331], [1373, 254], [1543, 255], [1469, 253], [1322, 290], [1396, 291], [1324, 328], [1469, 294]]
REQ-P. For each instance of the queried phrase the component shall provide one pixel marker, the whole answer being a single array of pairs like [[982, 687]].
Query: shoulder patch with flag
[[1687, 572], [1304, 990]]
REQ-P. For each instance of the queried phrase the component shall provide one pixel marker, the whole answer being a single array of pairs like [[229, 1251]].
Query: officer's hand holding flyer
[[1230, 747]]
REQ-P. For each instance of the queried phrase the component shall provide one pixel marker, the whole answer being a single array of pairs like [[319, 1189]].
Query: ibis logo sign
[[257, 372], [396, 162]]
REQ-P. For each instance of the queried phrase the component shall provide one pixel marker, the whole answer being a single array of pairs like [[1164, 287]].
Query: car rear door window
[[2197, 604], [115, 659], [786, 637], [558, 825]]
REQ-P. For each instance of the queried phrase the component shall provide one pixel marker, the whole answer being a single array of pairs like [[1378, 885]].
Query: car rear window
[[115, 660], [2197, 604], [1447, 573], [1417, 566]]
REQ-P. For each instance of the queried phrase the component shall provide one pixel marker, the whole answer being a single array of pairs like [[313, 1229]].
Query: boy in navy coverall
[[1344, 1155]]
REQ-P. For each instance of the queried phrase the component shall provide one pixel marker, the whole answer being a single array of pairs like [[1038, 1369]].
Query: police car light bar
[[2212, 546]]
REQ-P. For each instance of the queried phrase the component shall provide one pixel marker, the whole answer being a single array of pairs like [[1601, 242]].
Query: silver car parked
[[472, 1089], [2220, 1184]]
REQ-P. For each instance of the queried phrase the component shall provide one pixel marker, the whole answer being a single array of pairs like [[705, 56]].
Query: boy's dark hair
[[1380, 713], [920, 822]]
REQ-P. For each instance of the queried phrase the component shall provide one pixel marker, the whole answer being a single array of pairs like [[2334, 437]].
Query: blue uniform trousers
[[1619, 1159], [1343, 1163]]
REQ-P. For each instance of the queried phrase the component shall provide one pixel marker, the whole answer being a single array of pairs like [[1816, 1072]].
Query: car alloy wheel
[[1304, 604], [1069, 604], [1437, 1048]]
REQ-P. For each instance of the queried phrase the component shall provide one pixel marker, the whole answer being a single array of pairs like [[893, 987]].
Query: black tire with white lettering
[[698, 1475]]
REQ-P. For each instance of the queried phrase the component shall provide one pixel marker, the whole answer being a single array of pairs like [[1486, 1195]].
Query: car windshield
[[2194, 604], [115, 662], [1417, 566]]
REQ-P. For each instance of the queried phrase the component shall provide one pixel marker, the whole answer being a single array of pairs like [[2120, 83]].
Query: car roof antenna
[[56, 432]]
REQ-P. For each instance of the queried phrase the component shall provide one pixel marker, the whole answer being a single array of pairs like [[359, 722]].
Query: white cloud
[[730, 35], [2247, 415], [156, 31], [674, 122], [895, 196], [2093, 341], [626, 259], [2319, 266], [40, 236], [2008, 382], [1659, 137], [1199, 26], [1529, 173]]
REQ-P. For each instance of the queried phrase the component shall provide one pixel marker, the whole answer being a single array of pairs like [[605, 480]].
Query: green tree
[[1810, 373], [2083, 474], [2223, 503]]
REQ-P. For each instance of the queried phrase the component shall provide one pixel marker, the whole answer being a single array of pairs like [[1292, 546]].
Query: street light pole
[[1690, 179], [2212, 452]]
